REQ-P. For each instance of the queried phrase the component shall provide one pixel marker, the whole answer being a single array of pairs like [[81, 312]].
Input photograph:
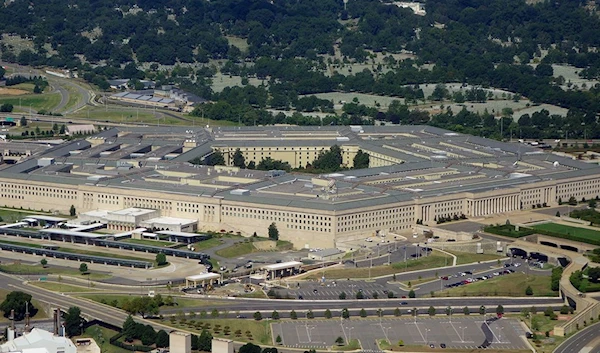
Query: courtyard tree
[[273, 232], [72, 211], [238, 159], [161, 259]]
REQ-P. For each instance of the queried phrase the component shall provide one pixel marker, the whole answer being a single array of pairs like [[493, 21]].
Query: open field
[[62, 287], [433, 260], [41, 314], [12, 91], [580, 234], [259, 330], [513, 284], [237, 249], [12, 215], [45, 101], [207, 244], [39, 270]]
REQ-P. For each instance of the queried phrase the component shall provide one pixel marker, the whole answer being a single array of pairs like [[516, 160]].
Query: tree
[[73, 320], [310, 314], [528, 290], [363, 313], [345, 313], [275, 315], [44, 263], [273, 232], [499, 309], [401, 343], [327, 314], [215, 158], [361, 160], [466, 310], [23, 121], [17, 301], [257, 316], [339, 341], [250, 348], [557, 214], [411, 294], [238, 159], [293, 315], [482, 310], [359, 295], [278, 339], [83, 268], [6, 108], [161, 259], [342, 296], [129, 328], [72, 211], [205, 341], [431, 311], [162, 339]]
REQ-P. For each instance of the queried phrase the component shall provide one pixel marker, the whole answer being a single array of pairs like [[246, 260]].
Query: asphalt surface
[[584, 341], [458, 333]]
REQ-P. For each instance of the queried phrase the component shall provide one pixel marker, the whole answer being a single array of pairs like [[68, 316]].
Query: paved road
[[584, 341]]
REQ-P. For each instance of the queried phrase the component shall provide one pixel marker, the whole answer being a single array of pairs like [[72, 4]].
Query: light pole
[[426, 331], [462, 339], [449, 313]]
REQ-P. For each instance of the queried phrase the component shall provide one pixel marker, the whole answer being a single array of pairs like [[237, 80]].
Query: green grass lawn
[[102, 336], [351, 346], [10, 215], [467, 258], [581, 234], [148, 242], [436, 259], [103, 254], [513, 284], [207, 244], [39, 270], [237, 250], [259, 330], [44, 101], [62, 287]]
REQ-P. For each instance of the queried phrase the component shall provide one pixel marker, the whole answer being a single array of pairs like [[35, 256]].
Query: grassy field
[[19, 243], [9, 215], [467, 258], [39, 270], [182, 303], [62, 287], [45, 101], [41, 314], [513, 284], [237, 249], [102, 336], [207, 244], [103, 254], [583, 234], [148, 242], [434, 260], [259, 330]]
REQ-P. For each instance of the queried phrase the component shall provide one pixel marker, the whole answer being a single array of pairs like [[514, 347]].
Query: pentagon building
[[417, 173]]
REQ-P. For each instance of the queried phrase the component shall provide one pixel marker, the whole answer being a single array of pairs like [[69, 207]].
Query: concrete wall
[[222, 346], [180, 342]]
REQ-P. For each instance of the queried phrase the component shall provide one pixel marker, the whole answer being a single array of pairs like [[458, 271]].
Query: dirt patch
[[11, 91]]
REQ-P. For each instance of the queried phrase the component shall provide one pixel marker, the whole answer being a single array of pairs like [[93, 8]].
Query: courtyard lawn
[[207, 244], [579, 234], [513, 284], [102, 336], [22, 269]]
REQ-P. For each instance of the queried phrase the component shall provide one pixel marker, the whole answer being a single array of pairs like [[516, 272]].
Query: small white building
[[38, 339], [220, 345]]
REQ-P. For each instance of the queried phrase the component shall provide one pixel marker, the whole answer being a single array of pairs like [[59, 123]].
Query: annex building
[[417, 173]]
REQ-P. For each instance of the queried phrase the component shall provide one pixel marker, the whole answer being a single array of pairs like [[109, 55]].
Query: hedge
[[114, 340]]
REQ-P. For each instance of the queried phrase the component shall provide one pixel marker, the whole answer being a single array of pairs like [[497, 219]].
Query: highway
[[584, 341]]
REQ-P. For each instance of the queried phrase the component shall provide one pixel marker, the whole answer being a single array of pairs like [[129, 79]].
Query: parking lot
[[453, 332], [332, 289]]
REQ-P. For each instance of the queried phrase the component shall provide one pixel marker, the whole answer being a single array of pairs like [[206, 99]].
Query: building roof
[[39, 338], [203, 276], [73, 233], [281, 266], [180, 234]]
